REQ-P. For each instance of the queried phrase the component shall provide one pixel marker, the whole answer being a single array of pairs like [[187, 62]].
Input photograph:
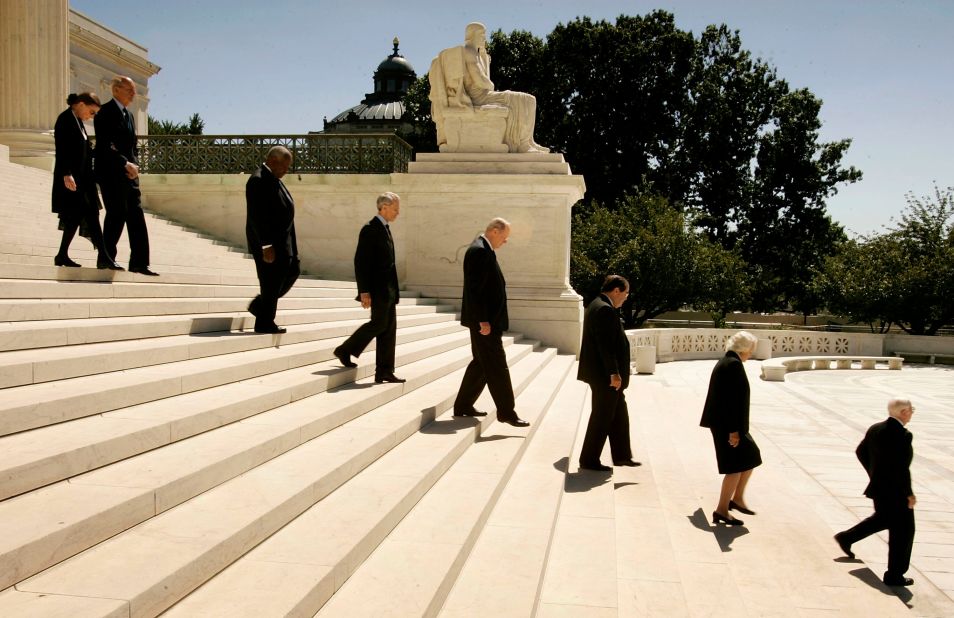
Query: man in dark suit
[[270, 229], [117, 172], [376, 275], [484, 312], [604, 365], [886, 453]]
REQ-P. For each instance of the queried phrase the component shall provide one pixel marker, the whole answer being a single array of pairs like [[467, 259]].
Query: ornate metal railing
[[366, 153]]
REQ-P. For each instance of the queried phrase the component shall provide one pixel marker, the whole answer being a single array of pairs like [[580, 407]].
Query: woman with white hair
[[726, 414]]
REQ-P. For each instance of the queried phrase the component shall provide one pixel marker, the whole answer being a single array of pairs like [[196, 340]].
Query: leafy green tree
[[194, 126], [417, 112], [669, 265], [904, 276], [641, 106], [785, 230], [858, 282]]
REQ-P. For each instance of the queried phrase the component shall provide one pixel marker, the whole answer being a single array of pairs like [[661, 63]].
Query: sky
[[884, 69]]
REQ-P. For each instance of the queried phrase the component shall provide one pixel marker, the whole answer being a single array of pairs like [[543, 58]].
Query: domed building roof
[[381, 110]]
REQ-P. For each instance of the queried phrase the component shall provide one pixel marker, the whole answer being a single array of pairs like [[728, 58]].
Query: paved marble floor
[[672, 561]]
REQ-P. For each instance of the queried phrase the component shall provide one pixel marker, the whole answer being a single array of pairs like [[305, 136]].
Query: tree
[[641, 106], [904, 276], [417, 112], [668, 264], [194, 126], [785, 230]]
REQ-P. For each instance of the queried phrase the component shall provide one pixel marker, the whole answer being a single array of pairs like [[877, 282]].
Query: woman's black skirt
[[732, 459]]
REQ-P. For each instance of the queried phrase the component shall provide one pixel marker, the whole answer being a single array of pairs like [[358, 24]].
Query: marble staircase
[[159, 457]]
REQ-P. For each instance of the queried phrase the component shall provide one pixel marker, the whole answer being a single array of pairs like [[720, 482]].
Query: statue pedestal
[[449, 200]]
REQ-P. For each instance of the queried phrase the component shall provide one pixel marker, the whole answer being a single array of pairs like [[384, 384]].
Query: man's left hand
[[616, 382]]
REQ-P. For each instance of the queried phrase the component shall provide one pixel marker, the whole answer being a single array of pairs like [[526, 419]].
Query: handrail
[[316, 153]]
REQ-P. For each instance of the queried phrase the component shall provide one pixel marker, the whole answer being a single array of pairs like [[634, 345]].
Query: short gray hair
[[387, 198], [497, 223], [278, 152], [898, 405], [742, 341]]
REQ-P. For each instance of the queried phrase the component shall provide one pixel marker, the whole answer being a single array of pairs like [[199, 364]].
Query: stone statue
[[469, 114]]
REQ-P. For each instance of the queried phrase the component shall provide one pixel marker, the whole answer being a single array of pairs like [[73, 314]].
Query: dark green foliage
[[904, 276], [417, 111], [194, 126], [668, 264], [638, 106]]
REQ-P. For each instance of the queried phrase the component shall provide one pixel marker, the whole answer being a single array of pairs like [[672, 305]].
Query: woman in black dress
[[726, 414], [74, 189]]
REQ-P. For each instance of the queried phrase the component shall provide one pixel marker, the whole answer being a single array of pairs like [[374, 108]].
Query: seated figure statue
[[469, 114]]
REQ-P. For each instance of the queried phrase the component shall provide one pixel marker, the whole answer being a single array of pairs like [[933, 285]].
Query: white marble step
[[22, 310], [174, 251], [93, 283], [413, 569], [581, 570], [519, 531], [297, 569], [30, 335], [44, 364], [38, 405], [34, 458], [156, 563], [48, 525], [50, 273]]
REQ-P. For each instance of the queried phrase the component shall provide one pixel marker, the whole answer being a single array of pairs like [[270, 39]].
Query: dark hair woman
[[74, 189]]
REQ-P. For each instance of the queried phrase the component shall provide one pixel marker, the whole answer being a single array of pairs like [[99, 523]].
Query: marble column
[[34, 76]]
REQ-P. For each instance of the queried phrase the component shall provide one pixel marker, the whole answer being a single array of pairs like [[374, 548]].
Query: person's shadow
[[868, 576], [581, 480], [724, 535]]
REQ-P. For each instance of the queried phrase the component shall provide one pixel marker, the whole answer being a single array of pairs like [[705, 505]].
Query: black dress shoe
[[470, 413], [344, 358], [732, 521], [253, 306], [272, 329], [733, 506], [627, 462], [516, 421], [64, 261], [897, 581], [107, 263], [143, 270], [844, 545], [596, 467], [393, 379]]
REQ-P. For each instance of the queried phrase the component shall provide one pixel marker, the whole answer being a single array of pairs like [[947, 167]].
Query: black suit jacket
[[485, 289], [115, 145], [375, 271], [270, 215], [727, 403], [605, 348], [74, 157], [886, 453]]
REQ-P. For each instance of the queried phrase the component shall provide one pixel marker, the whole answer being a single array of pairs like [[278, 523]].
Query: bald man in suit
[[484, 312], [886, 453]]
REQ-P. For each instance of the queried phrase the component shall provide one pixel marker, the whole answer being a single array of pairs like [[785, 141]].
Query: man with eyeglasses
[[886, 453], [604, 365], [117, 172]]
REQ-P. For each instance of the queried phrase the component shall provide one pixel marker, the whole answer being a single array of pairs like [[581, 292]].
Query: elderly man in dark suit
[[375, 272], [117, 172], [484, 312], [886, 453], [604, 365], [270, 230]]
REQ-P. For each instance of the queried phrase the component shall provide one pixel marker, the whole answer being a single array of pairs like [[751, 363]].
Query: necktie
[[127, 119]]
